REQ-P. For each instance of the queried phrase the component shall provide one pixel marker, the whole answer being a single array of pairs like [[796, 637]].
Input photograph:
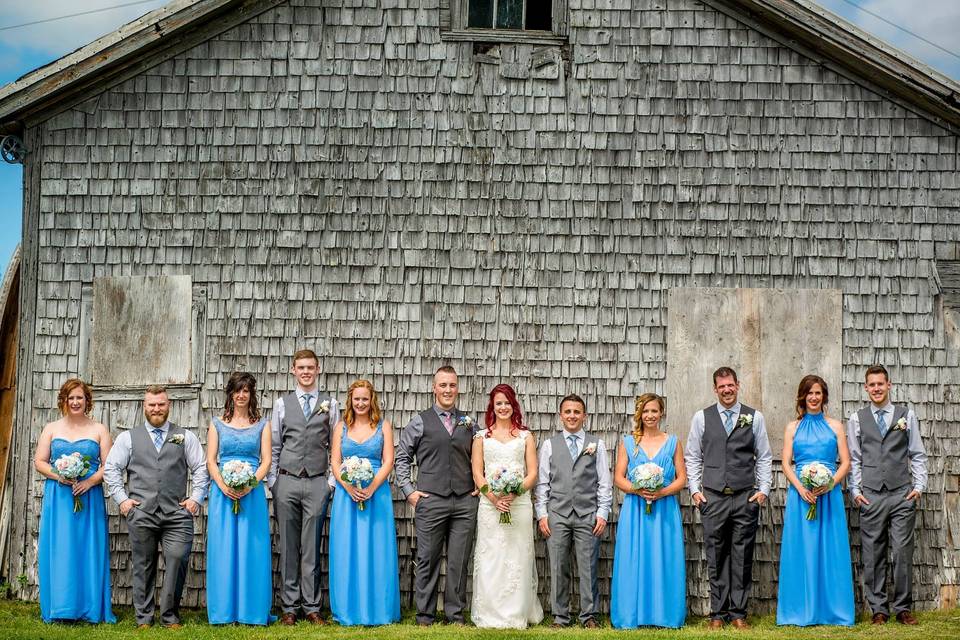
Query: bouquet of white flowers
[[238, 474], [814, 476], [647, 477], [356, 471], [502, 482], [71, 466]]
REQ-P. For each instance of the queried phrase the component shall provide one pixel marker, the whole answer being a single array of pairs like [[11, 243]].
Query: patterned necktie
[[447, 422], [572, 445], [881, 422], [158, 438], [728, 421], [307, 397]]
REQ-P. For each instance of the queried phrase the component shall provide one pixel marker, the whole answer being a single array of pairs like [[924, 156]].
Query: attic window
[[528, 21]]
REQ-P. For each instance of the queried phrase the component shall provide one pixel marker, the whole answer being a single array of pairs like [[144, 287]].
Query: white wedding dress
[[504, 572]]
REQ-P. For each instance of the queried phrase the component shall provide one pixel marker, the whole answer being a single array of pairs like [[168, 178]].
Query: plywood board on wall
[[771, 337]]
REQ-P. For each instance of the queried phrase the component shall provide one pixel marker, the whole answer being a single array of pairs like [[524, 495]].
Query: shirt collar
[[302, 392], [440, 411], [735, 408], [576, 434], [887, 408], [164, 427]]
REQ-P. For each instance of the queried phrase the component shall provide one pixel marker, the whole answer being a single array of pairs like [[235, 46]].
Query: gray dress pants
[[729, 534], [887, 523], [301, 508], [174, 535], [571, 536]]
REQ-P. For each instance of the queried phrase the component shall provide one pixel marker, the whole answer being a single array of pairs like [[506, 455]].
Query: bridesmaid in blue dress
[[239, 569], [816, 577], [364, 582], [73, 554], [649, 574]]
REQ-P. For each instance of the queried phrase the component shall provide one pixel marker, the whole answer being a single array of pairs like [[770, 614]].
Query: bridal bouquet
[[815, 476], [71, 466], [502, 482], [356, 471], [238, 474], [647, 477]]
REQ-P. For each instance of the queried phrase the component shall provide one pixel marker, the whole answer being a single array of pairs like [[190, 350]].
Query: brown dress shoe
[[740, 623], [590, 623], [315, 618], [143, 626], [173, 625], [715, 623], [557, 625], [905, 617], [879, 618], [288, 619]]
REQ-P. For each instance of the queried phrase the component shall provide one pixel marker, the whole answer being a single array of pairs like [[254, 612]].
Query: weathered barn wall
[[336, 175]]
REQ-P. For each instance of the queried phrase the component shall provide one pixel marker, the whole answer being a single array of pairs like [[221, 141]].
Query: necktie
[[728, 421], [572, 445], [307, 397], [881, 422], [447, 422], [158, 438]]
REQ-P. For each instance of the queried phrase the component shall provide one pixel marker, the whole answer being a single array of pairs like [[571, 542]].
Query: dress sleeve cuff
[[603, 513]]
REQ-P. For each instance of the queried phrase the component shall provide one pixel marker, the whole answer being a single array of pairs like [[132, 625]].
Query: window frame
[[453, 26]]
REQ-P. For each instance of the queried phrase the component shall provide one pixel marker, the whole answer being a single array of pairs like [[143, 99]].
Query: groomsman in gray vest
[[299, 482], [888, 472], [158, 457], [729, 474], [573, 497], [444, 499]]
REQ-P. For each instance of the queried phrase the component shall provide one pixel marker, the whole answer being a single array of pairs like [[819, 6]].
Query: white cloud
[[63, 36]]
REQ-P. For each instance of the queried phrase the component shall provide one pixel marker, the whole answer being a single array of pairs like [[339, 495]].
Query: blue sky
[[26, 48]]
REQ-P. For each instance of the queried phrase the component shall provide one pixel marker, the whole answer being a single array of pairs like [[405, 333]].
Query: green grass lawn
[[22, 620]]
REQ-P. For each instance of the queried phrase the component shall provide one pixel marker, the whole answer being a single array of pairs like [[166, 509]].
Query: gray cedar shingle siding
[[336, 175]]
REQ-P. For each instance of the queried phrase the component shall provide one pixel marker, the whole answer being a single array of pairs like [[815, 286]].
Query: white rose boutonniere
[[324, 407], [465, 421], [590, 449], [900, 425], [744, 421], [176, 439]]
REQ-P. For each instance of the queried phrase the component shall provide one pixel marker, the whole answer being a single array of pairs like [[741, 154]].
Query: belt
[[302, 474], [727, 491]]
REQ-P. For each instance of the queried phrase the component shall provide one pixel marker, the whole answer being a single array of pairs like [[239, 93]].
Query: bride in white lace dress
[[504, 573]]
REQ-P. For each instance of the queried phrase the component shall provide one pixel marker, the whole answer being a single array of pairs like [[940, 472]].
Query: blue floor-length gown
[[74, 558], [649, 585], [239, 571], [816, 577], [364, 583]]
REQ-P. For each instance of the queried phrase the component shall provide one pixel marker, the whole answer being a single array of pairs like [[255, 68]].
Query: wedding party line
[[480, 490]]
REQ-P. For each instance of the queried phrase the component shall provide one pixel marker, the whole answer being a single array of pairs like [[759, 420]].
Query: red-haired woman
[[364, 582], [504, 575], [74, 559]]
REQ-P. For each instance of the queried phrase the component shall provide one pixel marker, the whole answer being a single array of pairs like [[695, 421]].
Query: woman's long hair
[[638, 414], [516, 420], [238, 381], [348, 415], [805, 385]]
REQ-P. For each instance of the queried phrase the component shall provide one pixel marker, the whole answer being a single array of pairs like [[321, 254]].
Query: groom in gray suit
[[299, 482], [573, 497], [158, 457], [888, 472], [444, 499]]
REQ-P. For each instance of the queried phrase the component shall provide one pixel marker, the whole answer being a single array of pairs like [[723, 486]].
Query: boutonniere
[[900, 425], [324, 407], [590, 449], [176, 439], [744, 421], [465, 421]]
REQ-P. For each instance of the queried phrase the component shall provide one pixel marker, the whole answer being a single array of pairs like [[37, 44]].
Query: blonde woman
[[364, 583], [649, 576]]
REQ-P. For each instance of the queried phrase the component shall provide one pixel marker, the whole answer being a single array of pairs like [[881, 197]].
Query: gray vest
[[728, 461], [443, 460], [573, 483], [157, 480], [304, 444], [884, 460]]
